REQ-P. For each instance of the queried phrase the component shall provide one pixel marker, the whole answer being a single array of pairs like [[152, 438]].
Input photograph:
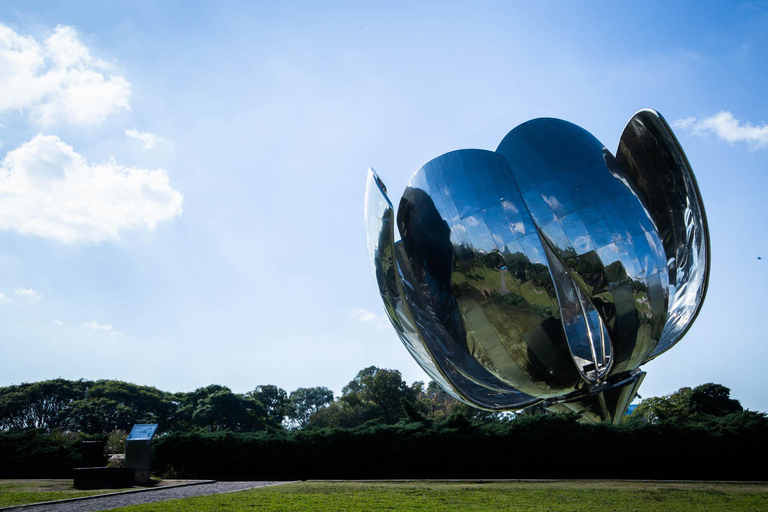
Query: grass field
[[565, 496], [18, 492]]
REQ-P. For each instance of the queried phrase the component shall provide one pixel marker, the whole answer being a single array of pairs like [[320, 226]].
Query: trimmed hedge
[[33, 454], [550, 446], [544, 447]]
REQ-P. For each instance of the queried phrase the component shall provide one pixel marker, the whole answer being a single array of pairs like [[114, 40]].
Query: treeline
[[374, 396], [94, 407], [379, 427], [103, 406], [696, 433]]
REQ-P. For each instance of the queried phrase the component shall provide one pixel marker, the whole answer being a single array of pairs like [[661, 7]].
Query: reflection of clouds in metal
[[548, 270]]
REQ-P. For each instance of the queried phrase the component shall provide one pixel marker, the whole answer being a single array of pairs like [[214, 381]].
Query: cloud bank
[[728, 128], [49, 190], [57, 80]]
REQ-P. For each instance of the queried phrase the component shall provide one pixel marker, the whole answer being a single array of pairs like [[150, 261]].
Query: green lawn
[[566, 496], [18, 492]]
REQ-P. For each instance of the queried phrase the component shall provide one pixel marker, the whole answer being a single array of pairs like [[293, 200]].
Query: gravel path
[[123, 500]]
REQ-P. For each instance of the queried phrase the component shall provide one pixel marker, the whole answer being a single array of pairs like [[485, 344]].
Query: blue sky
[[181, 184]]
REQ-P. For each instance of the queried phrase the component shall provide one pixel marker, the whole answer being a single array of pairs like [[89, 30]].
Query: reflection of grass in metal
[[523, 295], [556, 496], [18, 492], [499, 345], [522, 308], [515, 314]]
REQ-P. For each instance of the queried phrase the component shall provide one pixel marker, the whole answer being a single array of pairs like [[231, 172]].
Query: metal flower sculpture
[[547, 271]]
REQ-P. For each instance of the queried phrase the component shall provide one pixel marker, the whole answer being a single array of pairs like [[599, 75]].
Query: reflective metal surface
[[548, 270], [654, 165]]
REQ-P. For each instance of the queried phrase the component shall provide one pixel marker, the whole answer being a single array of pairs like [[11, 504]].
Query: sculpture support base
[[606, 403]]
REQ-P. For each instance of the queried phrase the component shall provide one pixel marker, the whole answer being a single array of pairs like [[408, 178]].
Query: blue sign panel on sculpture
[[548, 270]]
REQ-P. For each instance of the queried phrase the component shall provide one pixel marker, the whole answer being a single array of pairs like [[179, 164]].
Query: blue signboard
[[142, 432]]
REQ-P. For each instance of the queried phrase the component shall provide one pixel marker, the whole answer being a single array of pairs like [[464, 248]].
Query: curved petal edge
[[656, 168]]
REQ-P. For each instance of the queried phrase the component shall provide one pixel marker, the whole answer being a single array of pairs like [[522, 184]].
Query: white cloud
[[728, 128], [4, 299], [367, 316], [148, 140], [363, 315], [49, 190], [58, 80], [58, 322], [27, 294], [97, 326], [684, 123]]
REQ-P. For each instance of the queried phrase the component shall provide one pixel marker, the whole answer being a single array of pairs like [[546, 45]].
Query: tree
[[225, 410], [375, 394], [688, 404], [669, 407], [379, 389], [146, 403], [712, 399], [274, 400], [97, 416], [38, 404], [433, 401], [438, 405], [215, 408], [304, 402], [340, 414]]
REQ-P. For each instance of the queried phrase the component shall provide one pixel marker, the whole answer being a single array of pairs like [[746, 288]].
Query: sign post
[[138, 451]]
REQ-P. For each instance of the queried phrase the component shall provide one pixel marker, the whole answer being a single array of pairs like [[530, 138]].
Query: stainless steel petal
[[585, 330], [425, 338], [597, 228], [379, 218], [654, 165], [479, 264]]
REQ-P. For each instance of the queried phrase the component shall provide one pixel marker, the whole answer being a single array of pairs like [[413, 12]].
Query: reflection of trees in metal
[[547, 271]]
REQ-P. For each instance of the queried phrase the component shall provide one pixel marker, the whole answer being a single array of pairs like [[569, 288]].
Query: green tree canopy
[[375, 394], [215, 408], [274, 400], [97, 415], [304, 402], [663, 408], [39, 404], [713, 400], [380, 389], [688, 404], [148, 404], [438, 405]]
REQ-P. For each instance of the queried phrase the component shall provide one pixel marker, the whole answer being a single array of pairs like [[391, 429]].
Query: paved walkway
[[135, 498]]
